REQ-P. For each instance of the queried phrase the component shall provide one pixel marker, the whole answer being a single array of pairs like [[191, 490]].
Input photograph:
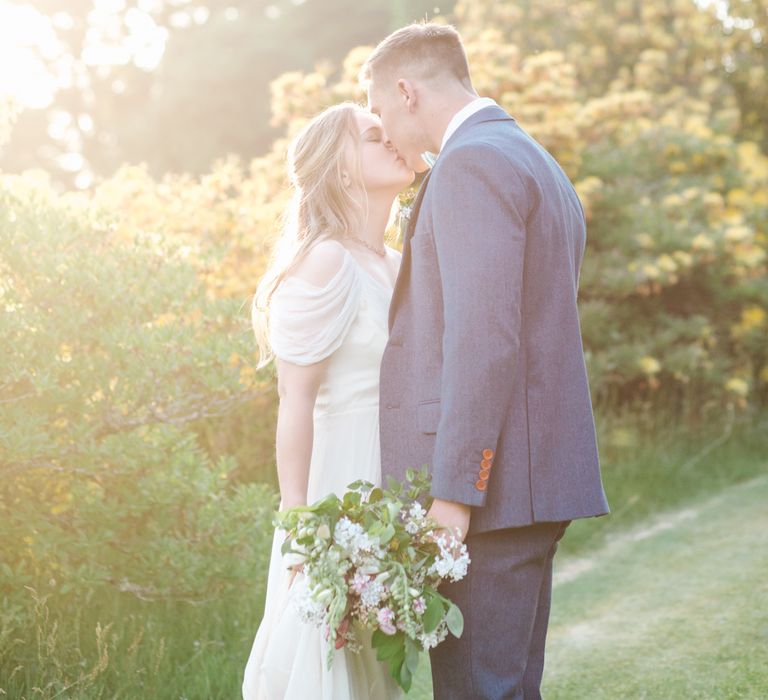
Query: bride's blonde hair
[[322, 206]]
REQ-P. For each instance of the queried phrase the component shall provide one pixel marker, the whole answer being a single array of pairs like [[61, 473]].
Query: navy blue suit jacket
[[483, 377]]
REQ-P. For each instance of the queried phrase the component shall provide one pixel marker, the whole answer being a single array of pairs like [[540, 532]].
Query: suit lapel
[[416, 206], [405, 263]]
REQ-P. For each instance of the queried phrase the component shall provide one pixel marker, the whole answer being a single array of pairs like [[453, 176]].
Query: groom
[[483, 377]]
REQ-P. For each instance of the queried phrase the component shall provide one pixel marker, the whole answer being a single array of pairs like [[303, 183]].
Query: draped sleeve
[[307, 323]]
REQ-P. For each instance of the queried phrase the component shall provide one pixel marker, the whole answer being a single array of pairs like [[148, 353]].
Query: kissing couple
[[464, 354]]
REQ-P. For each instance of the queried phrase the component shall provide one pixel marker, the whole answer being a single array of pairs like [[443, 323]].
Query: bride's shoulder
[[314, 307], [321, 263]]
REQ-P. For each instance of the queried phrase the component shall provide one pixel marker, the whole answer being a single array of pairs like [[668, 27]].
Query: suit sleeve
[[479, 213]]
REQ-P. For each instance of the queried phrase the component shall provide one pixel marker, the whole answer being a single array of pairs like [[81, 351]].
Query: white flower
[[416, 511], [372, 594], [359, 582], [447, 564], [431, 640], [414, 519], [352, 537]]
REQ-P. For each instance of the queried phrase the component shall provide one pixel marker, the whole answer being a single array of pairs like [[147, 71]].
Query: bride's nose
[[387, 142]]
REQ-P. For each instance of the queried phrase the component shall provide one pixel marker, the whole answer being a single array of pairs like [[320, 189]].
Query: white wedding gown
[[346, 320]]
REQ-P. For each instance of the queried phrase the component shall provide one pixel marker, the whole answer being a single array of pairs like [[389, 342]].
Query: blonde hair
[[426, 48], [321, 207]]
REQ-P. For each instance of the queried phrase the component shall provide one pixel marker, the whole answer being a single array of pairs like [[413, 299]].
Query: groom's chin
[[418, 165]]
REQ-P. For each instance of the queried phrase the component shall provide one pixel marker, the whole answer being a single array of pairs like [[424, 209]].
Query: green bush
[[113, 357]]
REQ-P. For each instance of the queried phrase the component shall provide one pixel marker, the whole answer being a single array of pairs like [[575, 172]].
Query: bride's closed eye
[[373, 134]]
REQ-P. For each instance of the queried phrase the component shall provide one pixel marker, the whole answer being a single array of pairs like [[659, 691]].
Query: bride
[[321, 310]]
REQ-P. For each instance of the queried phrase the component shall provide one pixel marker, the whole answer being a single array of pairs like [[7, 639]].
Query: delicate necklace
[[381, 252]]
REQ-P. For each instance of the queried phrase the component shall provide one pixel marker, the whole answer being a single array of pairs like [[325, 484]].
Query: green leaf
[[412, 655], [394, 486], [387, 534], [360, 485], [351, 498], [433, 614], [393, 509], [405, 678], [455, 620], [395, 663], [387, 646]]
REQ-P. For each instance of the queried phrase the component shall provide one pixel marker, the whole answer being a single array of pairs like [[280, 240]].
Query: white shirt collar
[[463, 114]]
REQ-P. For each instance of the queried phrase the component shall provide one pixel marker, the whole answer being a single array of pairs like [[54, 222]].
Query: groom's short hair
[[428, 47]]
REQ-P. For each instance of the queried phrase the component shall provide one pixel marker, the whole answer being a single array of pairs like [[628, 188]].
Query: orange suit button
[[485, 464], [481, 485], [484, 474], [487, 454]]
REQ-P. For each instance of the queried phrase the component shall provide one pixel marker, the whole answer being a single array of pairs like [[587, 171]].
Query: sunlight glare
[[25, 36], [35, 64]]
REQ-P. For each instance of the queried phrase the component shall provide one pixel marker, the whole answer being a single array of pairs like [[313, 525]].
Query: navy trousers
[[505, 600]]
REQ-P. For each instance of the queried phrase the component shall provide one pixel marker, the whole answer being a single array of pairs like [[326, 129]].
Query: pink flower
[[386, 620], [419, 606]]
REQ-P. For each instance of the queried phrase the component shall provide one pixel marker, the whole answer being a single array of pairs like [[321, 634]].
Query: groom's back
[[545, 465], [555, 238], [556, 217]]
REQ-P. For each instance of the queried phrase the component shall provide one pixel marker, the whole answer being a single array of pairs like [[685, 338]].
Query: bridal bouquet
[[373, 560]]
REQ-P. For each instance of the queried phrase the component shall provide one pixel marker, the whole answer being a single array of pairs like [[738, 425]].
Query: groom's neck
[[440, 108]]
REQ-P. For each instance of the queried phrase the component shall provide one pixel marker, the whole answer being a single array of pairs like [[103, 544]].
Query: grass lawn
[[676, 607], [666, 598]]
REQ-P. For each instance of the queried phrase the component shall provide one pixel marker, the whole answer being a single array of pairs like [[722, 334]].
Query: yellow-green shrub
[[113, 356]]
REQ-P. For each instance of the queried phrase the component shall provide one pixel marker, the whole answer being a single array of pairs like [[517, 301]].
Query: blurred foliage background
[[137, 207], [174, 84]]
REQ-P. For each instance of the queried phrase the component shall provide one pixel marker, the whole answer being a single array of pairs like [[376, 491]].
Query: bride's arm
[[297, 388], [305, 324]]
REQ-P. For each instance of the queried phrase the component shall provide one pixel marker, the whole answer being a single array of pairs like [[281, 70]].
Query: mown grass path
[[676, 608]]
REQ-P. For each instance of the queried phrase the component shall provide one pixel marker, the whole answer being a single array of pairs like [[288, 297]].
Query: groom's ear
[[407, 93]]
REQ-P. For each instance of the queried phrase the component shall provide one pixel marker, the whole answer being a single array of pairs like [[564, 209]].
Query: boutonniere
[[403, 219]]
